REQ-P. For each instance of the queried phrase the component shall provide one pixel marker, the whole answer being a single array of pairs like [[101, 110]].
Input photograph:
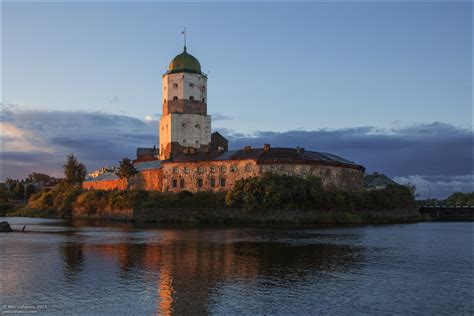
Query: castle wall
[[150, 180], [336, 176], [188, 173], [222, 175], [106, 184], [188, 130]]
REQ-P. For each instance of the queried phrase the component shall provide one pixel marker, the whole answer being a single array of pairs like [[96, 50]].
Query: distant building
[[377, 181], [191, 157], [98, 172]]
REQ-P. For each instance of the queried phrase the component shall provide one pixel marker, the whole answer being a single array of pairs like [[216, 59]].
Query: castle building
[[190, 157], [185, 126]]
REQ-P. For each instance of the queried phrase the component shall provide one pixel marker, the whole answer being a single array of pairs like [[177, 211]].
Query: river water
[[85, 268]]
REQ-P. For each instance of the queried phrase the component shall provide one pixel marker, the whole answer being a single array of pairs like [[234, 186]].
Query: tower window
[[191, 98], [223, 168], [199, 183], [183, 125], [175, 98], [184, 141], [203, 100], [213, 169], [191, 85], [222, 180], [213, 182], [175, 85], [175, 183], [197, 126]]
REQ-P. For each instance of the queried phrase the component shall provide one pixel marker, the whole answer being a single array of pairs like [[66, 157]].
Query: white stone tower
[[185, 126]]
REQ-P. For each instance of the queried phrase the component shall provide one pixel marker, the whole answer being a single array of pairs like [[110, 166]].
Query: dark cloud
[[430, 149], [437, 155], [40, 140], [432, 156]]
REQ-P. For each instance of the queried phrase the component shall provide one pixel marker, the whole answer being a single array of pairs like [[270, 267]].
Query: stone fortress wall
[[222, 175]]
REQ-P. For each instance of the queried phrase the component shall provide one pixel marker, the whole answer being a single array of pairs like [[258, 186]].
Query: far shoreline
[[187, 217]]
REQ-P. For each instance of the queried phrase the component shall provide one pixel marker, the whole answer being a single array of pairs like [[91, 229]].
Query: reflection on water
[[116, 269]]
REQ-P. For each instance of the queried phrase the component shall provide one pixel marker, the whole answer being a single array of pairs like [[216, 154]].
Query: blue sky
[[273, 67]]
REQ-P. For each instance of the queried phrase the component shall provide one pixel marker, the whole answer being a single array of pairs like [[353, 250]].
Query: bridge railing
[[448, 206]]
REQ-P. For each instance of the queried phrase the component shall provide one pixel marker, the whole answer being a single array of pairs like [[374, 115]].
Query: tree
[[4, 195], [412, 188], [126, 169], [19, 192], [39, 177], [74, 170], [29, 191]]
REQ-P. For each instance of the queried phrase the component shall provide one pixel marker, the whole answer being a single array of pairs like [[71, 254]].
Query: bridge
[[448, 212]]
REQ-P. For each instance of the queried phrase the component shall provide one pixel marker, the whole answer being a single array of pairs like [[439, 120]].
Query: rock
[[5, 227]]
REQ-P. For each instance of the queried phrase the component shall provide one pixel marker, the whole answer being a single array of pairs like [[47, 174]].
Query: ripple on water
[[75, 267]]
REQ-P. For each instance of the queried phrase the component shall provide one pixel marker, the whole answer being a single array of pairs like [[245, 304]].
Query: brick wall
[[106, 184]]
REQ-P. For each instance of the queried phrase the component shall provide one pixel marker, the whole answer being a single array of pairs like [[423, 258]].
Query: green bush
[[267, 192], [272, 191]]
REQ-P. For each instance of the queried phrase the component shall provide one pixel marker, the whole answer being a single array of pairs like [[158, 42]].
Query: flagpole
[[185, 38]]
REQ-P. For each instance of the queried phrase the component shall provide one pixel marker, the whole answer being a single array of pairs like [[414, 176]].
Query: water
[[83, 268]]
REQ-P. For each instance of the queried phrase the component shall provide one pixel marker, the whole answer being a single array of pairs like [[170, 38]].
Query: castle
[[190, 157]]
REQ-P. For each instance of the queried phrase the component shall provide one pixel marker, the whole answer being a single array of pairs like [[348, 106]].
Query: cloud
[[40, 140], [435, 155], [221, 117], [438, 186], [114, 99], [427, 149]]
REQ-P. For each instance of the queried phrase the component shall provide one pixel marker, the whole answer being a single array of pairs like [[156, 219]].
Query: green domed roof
[[184, 62]]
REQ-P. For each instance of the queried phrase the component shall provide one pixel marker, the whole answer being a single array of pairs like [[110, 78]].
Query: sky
[[387, 85]]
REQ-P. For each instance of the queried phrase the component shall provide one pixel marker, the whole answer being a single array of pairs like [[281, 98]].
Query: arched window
[[191, 98], [203, 100], [191, 85], [175, 85], [175, 98]]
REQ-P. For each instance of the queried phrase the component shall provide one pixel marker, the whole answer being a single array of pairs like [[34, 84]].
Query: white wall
[[189, 130], [188, 84]]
